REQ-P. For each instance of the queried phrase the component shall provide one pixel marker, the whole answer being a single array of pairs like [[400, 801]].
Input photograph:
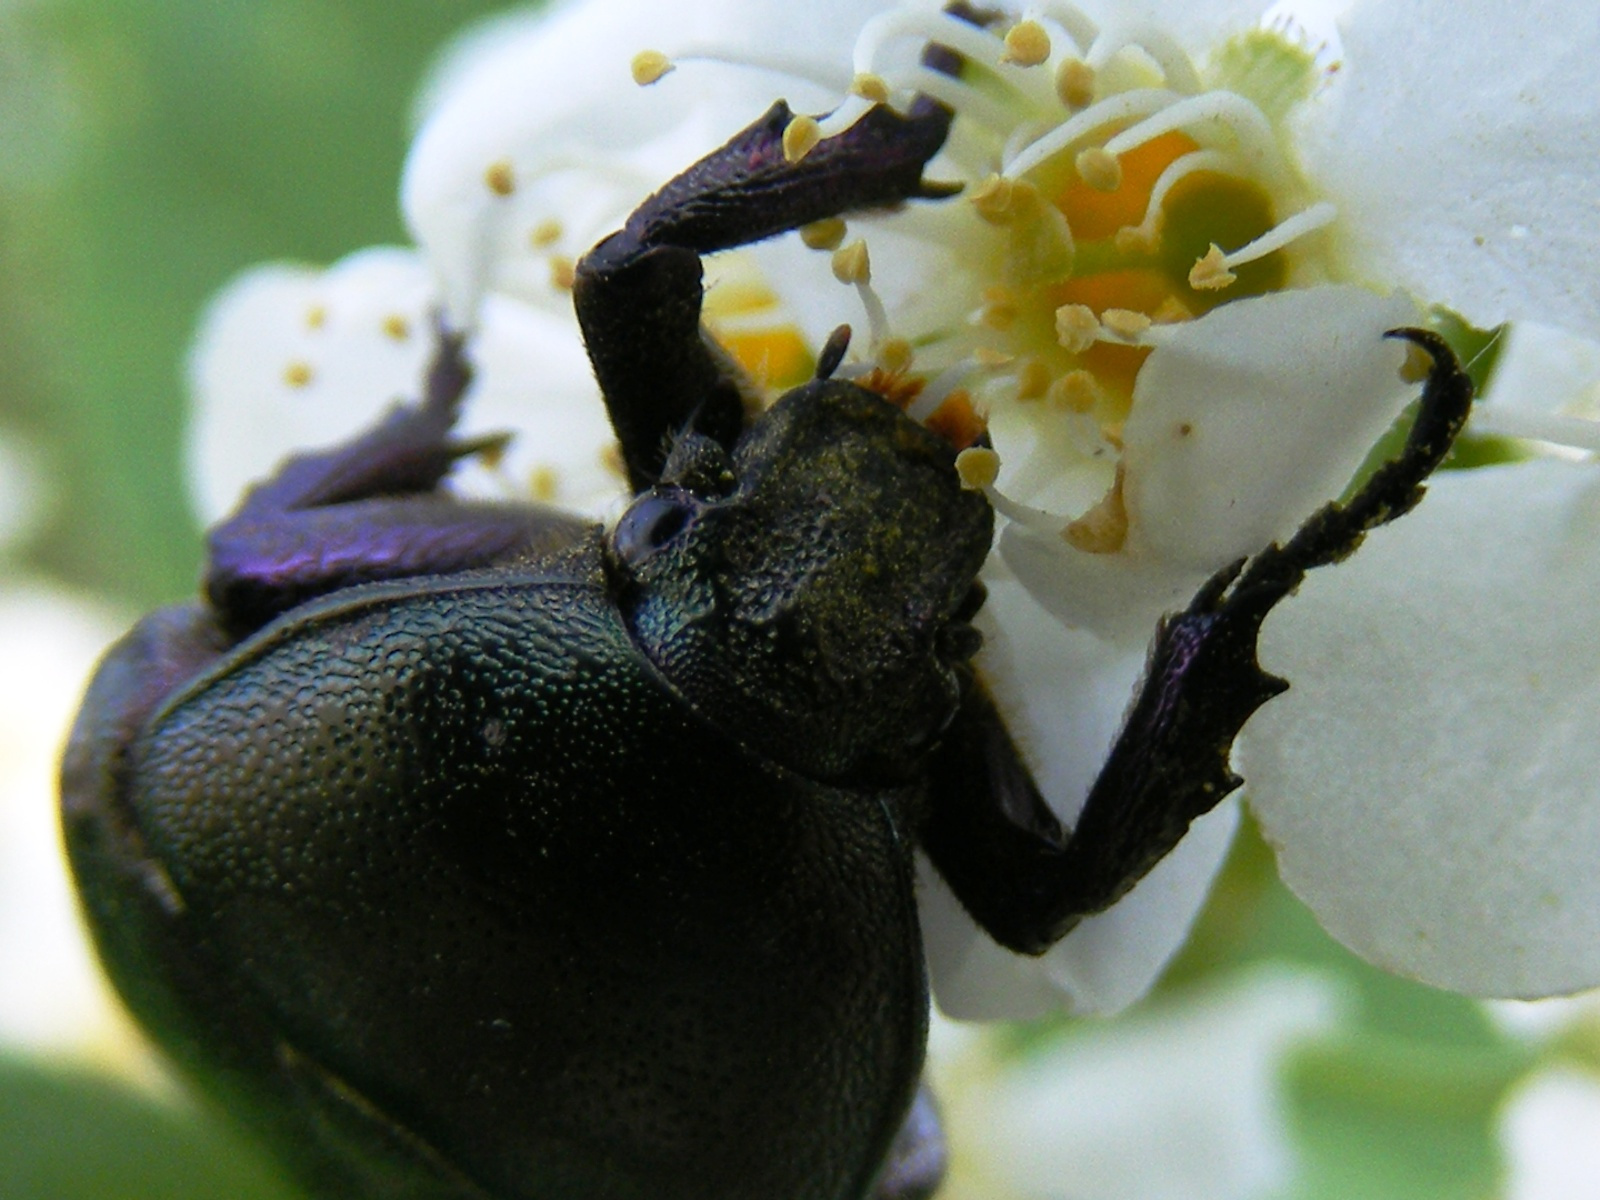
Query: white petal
[[1113, 596], [1246, 420], [550, 114], [1430, 778], [1544, 1020], [290, 358], [1182, 1102], [53, 998], [1063, 694], [1545, 388], [1461, 147], [1107, 963], [1545, 369], [1550, 1133], [535, 380]]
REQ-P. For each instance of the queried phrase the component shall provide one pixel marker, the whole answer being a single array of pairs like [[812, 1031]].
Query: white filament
[[1140, 102], [1280, 235], [1232, 112]]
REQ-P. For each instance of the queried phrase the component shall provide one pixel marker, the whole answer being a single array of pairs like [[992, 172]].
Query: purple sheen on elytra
[[262, 566]]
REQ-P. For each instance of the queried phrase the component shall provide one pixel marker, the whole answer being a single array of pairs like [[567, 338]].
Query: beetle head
[[810, 592]]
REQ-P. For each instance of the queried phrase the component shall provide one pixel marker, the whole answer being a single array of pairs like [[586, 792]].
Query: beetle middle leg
[[368, 509], [1025, 879]]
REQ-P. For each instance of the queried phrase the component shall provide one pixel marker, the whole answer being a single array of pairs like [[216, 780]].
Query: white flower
[[1183, 1100], [1550, 1134], [1165, 287], [53, 999]]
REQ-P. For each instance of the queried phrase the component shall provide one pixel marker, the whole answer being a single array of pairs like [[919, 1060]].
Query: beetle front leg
[[638, 293], [989, 832]]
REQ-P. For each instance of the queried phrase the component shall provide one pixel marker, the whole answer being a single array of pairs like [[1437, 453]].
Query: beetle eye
[[653, 520]]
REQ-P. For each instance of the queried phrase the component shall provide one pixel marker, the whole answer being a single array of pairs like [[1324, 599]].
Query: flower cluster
[[1163, 288]]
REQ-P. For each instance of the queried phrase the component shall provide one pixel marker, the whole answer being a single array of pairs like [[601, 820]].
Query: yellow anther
[[316, 317], [1027, 44], [999, 313], [543, 483], [1125, 322], [492, 455], [1210, 272], [851, 264], [649, 66], [1033, 380], [826, 234], [800, 137], [895, 355], [988, 356], [397, 327], [1134, 239], [992, 199], [1002, 201], [1099, 169], [562, 272], [1170, 311], [871, 87], [1077, 328], [545, 234], [1076, 391], [499, 178], [298, 374], [1075, 83], [1104, 528], [978, 467]]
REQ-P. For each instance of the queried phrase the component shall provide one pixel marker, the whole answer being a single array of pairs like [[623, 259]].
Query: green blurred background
[[149, 149]]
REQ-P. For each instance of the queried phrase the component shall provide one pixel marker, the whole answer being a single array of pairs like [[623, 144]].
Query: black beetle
[[471, 850]]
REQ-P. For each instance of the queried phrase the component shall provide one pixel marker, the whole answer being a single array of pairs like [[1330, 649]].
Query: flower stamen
[[1073, 22], [1113, 110], [800, 138], [1075, 84], [1210, 271], [828, 234], [1104, 528], [1251, 133], [1027, 44], [1169, 57], [1099, 168], [1306, 221], [649, 66]]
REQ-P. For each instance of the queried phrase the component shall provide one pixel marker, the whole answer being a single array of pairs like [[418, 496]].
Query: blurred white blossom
[[53, 999], [1182, 1100]]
